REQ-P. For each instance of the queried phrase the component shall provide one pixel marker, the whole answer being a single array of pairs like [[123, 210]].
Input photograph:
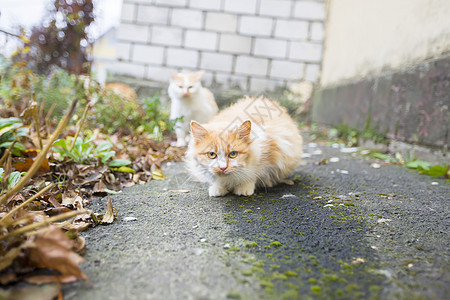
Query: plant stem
[[26, 202], [42, 155], [79, 125], [7, 152], [43, 223]]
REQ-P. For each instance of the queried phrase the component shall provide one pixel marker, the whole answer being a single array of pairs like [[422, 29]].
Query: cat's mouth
[[222, 173]]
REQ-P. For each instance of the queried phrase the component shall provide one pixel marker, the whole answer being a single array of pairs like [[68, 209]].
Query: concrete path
[[343, 231]]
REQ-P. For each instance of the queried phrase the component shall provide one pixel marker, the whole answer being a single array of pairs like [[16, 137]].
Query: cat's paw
[[245, 190], [217, 191], [287, 181]]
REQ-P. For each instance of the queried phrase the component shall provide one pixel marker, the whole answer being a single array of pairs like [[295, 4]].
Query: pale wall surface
[[372, 36], [256, 45]]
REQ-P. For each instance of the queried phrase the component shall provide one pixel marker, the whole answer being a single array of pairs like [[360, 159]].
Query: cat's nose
[[223, 168]]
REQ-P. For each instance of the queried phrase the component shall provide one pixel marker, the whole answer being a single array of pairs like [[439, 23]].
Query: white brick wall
[[291, 29], [187, 18], [167, 36], [275, 8], [234, 43], [222, 22], [216, 62], [182, 58], [147, 54], [253, 44], [152, 15], [309, 10], [251, 66], [240, 6], [258, 26], [205, 4], [201, 40], [270, 47]]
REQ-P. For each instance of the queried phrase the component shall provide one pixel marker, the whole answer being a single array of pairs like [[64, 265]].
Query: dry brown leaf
[[7, 259], [108, 218], [79, 226], [53, 249], [42, 279], [31, 292], [79, 245], [70, 197], [53, 211], [8, 278], [23, 164]]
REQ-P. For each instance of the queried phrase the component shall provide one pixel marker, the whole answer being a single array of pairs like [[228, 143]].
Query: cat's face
[[222, 153], [185, 84]]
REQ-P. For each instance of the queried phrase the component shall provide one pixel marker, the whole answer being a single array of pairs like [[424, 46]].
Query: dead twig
[[43, 223], [42, 155], [7, 152], [79, 125], [11, 213]]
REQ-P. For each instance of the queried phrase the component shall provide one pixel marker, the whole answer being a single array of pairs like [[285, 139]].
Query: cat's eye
[[211, 155], [232, 154], [180, 86], [190, 87]]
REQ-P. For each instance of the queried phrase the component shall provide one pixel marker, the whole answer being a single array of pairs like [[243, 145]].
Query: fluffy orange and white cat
[[253, 143], [191, 101]]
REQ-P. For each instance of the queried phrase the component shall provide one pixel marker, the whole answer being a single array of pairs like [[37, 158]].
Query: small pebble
[[364, 152], [312, 145], [127, 219], [317, 152], [226, 246], [435, 183], [349, 150], [328, 205], [375, 166], [335, 146], [334, 159], [198, 251], [202, 240], [342, 171], [306, 155], [383, 220], [195, 227]]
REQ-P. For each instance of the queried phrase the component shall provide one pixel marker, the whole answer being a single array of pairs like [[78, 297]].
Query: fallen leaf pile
[[40, 225]]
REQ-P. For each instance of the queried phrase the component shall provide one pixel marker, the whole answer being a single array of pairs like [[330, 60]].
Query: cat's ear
[[173, 75], [197, 130], [199, 74], [245, 129]]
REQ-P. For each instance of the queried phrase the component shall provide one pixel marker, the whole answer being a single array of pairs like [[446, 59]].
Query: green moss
[[251, 244], [247, 272], [276, 244], [276, 275], [290, 294], [233, 295], [291, 273], [312, 280], [315, 290]]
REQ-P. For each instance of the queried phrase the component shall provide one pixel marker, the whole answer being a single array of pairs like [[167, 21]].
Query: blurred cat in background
[[252, 143], [191, 101]]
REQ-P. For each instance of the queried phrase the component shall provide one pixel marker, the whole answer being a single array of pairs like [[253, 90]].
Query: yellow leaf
[[158, 175], [126, 170]]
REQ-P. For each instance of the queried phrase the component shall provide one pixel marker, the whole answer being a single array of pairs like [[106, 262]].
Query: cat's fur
[[267, 142], [191, 101]]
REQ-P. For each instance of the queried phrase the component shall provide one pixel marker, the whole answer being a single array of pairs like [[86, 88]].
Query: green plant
[[85, 150], [156, 118], [13, 178], [11, 129]]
